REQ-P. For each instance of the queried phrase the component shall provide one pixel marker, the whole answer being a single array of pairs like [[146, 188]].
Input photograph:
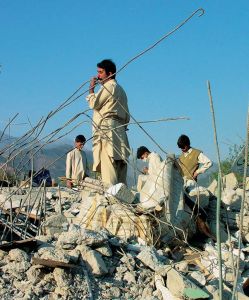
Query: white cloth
[[164, 185], [154, 163], [76, 165], [154, 166]]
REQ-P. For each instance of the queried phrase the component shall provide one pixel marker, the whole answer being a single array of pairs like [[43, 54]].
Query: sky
[[49, 48]]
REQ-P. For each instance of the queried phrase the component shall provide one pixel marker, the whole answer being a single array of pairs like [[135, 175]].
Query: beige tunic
[[76, 165], [110, 110]]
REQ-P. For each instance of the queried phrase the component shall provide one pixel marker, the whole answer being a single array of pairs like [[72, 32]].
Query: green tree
[[226, 164]]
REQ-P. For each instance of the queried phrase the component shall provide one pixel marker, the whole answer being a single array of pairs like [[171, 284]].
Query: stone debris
[[116, 245], [230, 181], [200, 195], [121, 192]]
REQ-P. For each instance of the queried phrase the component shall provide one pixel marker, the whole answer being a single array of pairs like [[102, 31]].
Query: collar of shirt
[[110, 81], [188, 152], [149, 156]]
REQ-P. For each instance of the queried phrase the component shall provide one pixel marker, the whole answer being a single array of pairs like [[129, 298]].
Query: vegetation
[[226, 164]]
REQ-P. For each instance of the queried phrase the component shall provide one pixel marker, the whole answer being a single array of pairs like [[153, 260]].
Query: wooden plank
[[51, 263], [30, 243], [30, 215]]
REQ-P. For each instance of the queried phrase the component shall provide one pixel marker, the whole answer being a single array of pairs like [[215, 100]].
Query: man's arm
[[96, 101], [205, 164], [85, 165], [69, 169], [154, 163]]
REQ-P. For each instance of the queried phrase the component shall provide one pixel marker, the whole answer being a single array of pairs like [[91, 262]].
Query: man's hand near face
[[93, 83], [69, 184], [195, 176], [145, 170]]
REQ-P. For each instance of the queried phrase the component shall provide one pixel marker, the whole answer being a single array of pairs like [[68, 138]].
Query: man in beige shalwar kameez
[[110, 119], [76, 163]]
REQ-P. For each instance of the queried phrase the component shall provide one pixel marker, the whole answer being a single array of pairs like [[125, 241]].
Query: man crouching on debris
[[76, 163], [154, 161], [192, 162]]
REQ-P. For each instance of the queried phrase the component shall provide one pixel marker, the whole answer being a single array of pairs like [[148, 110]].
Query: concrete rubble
[[91, 244]]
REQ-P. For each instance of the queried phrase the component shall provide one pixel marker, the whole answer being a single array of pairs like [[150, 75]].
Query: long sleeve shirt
[[76, 165], [110, 110], [154, 162], [109, 102], [204, 162]]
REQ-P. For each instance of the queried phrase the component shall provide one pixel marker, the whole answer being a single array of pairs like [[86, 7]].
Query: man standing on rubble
[[192, 162], [110, 119], [76, 163]]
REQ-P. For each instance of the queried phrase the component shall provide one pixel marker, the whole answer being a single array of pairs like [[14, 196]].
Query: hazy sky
[[50, 47]]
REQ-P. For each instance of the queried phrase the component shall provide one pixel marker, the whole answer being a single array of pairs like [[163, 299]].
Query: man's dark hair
[[141, 150], [109, 66], [80, 138], [183, 141]]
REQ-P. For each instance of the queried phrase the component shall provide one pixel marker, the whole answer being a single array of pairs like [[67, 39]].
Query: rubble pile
[[78, 263], [92, 244]]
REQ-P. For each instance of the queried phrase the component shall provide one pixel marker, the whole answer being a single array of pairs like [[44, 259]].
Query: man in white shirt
[[110, 119], [76, 163], [154, 162]]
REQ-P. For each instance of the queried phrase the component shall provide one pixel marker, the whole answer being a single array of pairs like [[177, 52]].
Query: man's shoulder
[[83, 152], [156, 155], [111, 82], [196, 151], [71, 152], [115, 84]]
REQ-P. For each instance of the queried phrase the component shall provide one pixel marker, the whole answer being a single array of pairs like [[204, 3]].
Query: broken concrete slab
[[230, 181], [69, 240], [34, 274], [93, 238], [62, 278], [200, 196], [120, 192], [129, 261], [16, 269], [180, 286], [198, 278], [18, 255], [93, 260], [104, 250], [51, 253], [213, 187], [231, 198], [55, 224], [130, 277], [149, 257]]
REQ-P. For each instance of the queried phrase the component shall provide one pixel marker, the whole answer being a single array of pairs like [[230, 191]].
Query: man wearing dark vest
[[192, 162]]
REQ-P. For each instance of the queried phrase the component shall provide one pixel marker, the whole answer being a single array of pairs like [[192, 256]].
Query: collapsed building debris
[[94, 245]]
